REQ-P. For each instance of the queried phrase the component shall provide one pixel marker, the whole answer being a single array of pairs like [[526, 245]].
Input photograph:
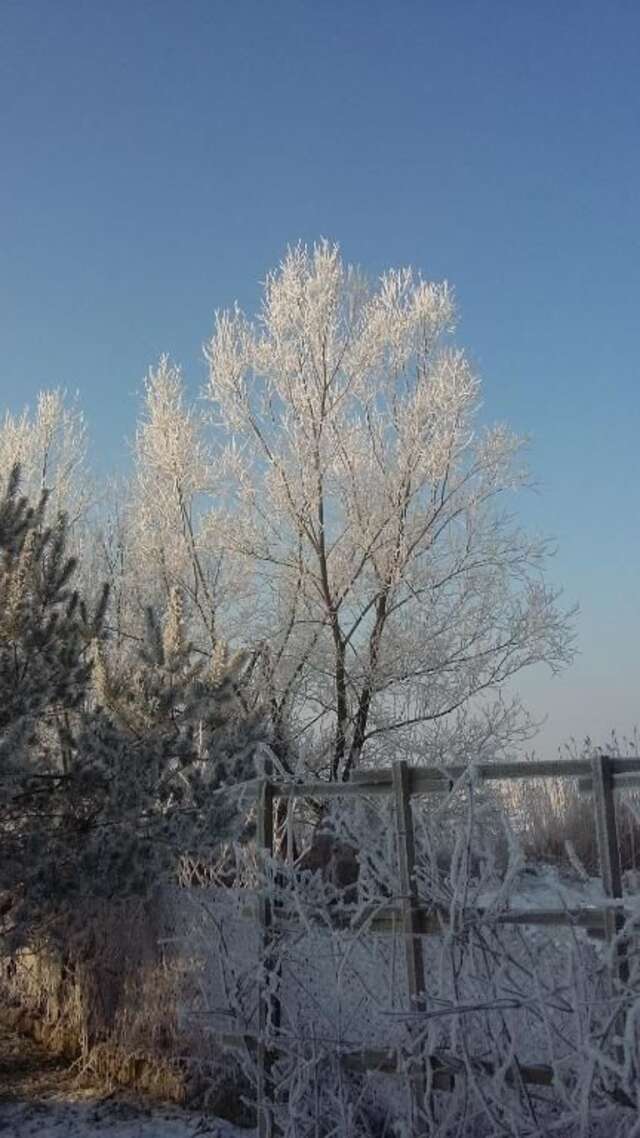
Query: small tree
[[177, 731], [47, 793], [50, 447], [108, 774], [395, 598]]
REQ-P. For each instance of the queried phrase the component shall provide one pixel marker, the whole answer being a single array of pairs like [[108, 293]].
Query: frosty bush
[[504, 1005]]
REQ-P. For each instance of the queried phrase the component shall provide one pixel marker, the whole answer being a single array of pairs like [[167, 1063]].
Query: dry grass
[[556, 822], [115, 1011]]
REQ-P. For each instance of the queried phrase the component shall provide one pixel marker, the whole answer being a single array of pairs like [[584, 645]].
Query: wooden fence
[[601, 776]]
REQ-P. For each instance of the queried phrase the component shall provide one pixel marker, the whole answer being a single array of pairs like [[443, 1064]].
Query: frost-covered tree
[[172, 536], [395, 596], [109, 554], [44, 627], [50, 446], [339, 514]]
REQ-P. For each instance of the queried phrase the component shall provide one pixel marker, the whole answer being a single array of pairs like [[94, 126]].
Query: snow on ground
[[97, 1118], [546, 887], [40, 1096]]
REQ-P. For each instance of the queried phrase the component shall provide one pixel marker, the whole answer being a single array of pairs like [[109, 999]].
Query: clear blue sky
[[158, 156]]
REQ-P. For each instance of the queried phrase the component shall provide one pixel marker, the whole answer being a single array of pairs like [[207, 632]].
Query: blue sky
[[157, 157]]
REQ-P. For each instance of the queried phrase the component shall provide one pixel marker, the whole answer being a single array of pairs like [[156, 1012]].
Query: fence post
[[409, 907], [609, 852], [267, 1008]]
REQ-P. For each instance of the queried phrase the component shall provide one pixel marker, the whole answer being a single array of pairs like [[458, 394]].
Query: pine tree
[[45, 667], [176, 730], [111, 770]]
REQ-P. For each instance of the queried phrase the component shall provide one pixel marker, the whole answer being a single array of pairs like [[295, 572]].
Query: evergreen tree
[[175, 729], [47, 796], [110, 770]]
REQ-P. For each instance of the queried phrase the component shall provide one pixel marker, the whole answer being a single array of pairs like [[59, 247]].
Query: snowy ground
[[40, 1097], [99, 1119]]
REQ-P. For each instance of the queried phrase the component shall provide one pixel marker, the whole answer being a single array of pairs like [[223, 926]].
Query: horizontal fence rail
[[434, 920], [386, 1061], [625, 773]]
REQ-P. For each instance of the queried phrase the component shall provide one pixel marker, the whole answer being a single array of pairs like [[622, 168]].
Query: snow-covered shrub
[[502, 1001]]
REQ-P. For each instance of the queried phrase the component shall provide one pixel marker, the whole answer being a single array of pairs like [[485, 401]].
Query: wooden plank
[[587, 918], [627, 781], [408, 900], [373, 1060], [606, 829], [426, 922], [624, 766], [535, 1074], [390, 1061], [590, 918], [331, 789], [609, 852], [266, 1007], [432, 922], [380, 776], [423, 780], [406, 848], [427, 779], [380, 780]]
